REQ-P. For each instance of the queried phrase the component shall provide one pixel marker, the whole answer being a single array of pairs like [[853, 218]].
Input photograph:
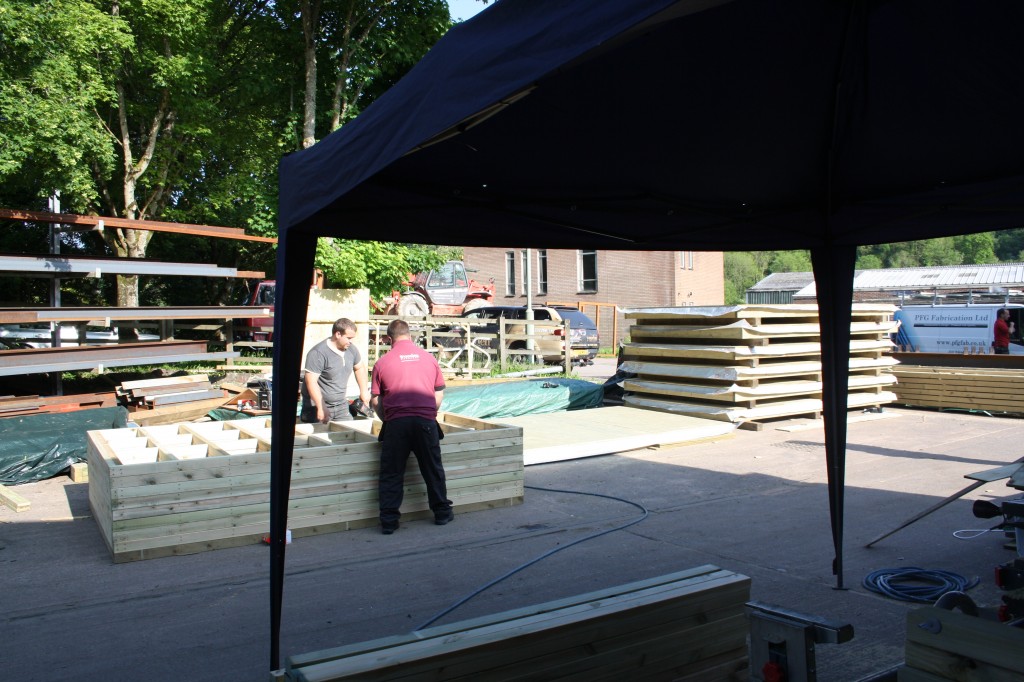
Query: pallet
[[185, 488], [689, 625]]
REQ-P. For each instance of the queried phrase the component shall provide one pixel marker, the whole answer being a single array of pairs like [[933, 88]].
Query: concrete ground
[[754, 503]]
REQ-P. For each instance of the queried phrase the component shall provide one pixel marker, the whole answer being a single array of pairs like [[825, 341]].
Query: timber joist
[[190, 487], [745, 363]]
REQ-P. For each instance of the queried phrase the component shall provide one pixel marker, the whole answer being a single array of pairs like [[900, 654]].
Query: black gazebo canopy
[[672, 124]]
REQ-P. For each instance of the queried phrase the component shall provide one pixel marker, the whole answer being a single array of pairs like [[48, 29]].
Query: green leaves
[[378, 266]]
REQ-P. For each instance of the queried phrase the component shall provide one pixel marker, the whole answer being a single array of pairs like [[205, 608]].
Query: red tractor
[[448, 290]]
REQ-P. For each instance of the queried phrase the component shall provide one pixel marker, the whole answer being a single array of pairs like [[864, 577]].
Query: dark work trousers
[[420, 436]]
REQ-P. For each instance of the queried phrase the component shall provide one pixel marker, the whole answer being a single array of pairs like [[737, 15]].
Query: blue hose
[[916, 584]]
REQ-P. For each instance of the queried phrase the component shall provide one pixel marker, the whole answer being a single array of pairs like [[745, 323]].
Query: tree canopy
[[743, 269], [180, 110]]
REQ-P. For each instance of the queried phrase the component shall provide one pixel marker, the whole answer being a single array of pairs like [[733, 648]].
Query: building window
[[587, 269], [686, 260], [510, 273], [526, 270], [542, 272]]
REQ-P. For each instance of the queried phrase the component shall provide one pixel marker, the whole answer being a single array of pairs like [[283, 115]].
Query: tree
[[790, 261], [363, 43], [378, 266], [976, 249], [741, 272]]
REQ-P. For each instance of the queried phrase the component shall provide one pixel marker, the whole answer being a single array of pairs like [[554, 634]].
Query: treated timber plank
[[234, 495], [562, 633], [907, 674], [458, 627], [13, 500], [997, 647]]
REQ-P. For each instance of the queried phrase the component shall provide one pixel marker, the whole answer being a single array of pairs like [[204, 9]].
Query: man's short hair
[[999, 313], [398, 328], [343, 325]]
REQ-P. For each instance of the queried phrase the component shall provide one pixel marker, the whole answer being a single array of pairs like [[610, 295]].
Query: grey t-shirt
[[334, 369]]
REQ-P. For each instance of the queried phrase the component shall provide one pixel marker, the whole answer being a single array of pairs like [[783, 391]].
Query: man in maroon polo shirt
[[1001, 331], [406, 391]]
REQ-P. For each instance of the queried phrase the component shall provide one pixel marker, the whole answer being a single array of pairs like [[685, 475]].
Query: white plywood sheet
[[561, 436]]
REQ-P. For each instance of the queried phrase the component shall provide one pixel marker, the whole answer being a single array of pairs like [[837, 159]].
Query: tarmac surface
[[754, 502]]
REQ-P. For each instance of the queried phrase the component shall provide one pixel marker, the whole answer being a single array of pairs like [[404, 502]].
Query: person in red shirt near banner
[[406, 391], [1002, 330]]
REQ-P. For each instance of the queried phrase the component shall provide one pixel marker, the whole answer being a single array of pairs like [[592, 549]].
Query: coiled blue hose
[[916, 584]]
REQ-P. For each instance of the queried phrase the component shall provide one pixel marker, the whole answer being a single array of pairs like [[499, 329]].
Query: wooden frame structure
[[186, 488]]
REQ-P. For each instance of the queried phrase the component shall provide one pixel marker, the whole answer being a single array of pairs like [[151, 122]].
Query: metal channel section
[[98, 366], [65, 266], [41, 315]]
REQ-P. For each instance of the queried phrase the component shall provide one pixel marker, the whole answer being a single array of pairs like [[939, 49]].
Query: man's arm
[[438, 398], [313, 388], [359, 371]]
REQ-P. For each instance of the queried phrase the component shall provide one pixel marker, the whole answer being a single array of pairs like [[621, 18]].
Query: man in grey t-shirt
[[327, 369]]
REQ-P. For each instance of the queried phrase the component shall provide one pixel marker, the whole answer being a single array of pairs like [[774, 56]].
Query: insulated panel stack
[[750, 362]]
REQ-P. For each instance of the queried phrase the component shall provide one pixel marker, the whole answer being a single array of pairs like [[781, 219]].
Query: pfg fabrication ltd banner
[[950, 330]]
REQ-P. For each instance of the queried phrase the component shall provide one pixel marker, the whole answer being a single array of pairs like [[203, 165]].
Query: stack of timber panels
[[947, 645], [170, 399], [965, 388], [750, 362], [689, 625], [185, 488]]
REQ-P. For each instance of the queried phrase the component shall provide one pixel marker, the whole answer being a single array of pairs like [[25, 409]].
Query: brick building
[[603, 281]]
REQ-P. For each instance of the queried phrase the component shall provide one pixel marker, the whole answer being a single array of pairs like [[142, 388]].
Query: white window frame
[[542, 272], [510, 273], [586, 285]]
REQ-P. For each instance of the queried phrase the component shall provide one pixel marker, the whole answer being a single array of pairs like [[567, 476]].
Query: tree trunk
[[310, 28]]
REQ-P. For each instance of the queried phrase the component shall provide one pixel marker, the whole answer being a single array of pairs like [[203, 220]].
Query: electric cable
[[916, 584], [975, 532], [546, 554]]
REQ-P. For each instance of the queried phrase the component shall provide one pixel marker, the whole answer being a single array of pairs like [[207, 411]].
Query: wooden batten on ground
[[965, 388], [750, 363], [13, 500], [688, 626], [186, 488]]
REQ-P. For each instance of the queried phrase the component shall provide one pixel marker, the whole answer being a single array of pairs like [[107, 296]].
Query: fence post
[[567, 346], [502, 350], [229, 333]]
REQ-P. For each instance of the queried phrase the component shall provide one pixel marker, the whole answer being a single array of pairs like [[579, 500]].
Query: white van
[[952, 328]]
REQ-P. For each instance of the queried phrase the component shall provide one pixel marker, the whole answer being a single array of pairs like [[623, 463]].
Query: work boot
[[443, 517], [389, 528]]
